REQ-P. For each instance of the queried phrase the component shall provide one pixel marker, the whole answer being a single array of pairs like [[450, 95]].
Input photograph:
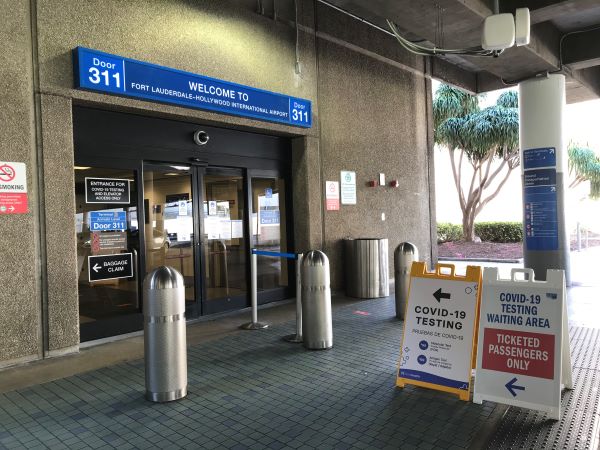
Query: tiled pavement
[[253, 390]]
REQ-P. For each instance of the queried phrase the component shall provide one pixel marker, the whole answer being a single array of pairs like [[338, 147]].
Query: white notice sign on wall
[[348, 187]]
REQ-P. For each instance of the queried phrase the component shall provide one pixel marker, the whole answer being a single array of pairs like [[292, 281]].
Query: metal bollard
[[404, 255], [164, 335], [317, 326], [296, 338]]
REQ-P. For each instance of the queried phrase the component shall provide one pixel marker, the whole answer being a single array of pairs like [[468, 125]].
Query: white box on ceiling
[[498, 32], [522, 26]]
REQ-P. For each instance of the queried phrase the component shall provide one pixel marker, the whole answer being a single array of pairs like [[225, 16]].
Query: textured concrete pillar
[[20, 266], [59, 219], [543, 164], [306, 180]]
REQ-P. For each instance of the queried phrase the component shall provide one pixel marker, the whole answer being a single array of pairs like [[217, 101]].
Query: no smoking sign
[[13, 188], [7, 173]]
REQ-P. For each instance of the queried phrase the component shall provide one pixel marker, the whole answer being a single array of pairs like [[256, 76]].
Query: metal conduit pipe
[[354, 16]]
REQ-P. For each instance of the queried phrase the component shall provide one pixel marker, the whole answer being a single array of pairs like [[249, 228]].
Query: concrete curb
[[495, 260]]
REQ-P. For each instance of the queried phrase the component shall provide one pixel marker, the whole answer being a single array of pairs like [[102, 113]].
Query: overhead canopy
[[552, 21]]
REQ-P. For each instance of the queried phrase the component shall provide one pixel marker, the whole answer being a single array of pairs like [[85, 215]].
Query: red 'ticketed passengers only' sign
[[518, 352]]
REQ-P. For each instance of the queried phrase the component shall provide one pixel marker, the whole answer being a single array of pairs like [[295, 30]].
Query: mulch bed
[[487, 250]]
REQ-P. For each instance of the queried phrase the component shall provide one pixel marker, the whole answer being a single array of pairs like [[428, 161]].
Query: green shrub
[[499, 231], [487, 231], [448, 232]]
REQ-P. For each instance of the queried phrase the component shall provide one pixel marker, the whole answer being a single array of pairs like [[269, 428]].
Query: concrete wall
[[370, 105], [20, 271], [373, 120]]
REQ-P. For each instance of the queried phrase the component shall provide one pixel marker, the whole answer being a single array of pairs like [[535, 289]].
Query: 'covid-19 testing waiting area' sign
[[523, 352], [439, 329]]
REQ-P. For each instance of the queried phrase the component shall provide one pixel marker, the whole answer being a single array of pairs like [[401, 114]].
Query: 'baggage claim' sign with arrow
[[439, 329], [110, 267], [523, 352]]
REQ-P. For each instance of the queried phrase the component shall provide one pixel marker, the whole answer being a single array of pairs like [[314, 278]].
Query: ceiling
[[552, 22]]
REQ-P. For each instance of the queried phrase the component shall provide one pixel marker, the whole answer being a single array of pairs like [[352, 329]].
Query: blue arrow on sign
[[511, 387]]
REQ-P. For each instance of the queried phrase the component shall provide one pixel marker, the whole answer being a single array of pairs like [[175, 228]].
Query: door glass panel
[[169, 222], [269, 231], [109, 228], [225, 241]]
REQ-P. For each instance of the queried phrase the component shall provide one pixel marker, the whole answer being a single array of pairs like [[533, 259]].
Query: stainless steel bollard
[[164, 335], [317, 326], [404, 255]]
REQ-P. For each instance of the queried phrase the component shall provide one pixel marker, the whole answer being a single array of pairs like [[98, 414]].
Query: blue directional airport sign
[[111, 74], [541, 209], [534, 158]]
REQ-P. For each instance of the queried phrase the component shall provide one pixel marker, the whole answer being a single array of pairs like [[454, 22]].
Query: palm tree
[[584, 165], [488, 139]]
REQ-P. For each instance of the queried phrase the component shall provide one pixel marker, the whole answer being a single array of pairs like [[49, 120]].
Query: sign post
[[523, 354], [439, 329]]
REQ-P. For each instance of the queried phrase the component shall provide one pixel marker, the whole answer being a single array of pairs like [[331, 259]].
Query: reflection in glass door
[[169, 224], [225, 244]]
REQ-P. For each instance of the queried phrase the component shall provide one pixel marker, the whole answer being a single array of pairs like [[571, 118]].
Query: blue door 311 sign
[[103, 72]]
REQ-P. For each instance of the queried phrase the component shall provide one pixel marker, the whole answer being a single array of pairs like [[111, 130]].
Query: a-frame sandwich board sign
[[523, 356], [438, 341]]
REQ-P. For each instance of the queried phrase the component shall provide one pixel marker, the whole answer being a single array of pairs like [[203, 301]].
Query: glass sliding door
[[225, 245], [169, 224], [107, 229], [269, 231]]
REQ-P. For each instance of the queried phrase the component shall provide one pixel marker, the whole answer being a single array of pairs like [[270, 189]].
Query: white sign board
[[439, 326], [348, 187], [182, 207], [523, 352], [212, 207], [332, 195]]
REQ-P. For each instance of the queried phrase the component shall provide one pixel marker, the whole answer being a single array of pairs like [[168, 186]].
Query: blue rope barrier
[[275, 254]]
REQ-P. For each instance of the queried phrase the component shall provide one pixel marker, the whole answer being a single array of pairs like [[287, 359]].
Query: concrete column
[[543, 165]]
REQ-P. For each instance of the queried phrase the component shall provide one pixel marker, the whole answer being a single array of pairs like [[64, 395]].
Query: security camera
[[201, 137]]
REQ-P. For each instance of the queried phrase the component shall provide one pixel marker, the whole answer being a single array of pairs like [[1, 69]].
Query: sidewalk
[[250, 389], [253, 390]]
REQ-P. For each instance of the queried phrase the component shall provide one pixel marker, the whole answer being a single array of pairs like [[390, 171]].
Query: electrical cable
[[297, 68], [436, 51]]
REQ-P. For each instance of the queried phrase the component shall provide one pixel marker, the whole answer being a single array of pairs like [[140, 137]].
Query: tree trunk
[[468, 224]]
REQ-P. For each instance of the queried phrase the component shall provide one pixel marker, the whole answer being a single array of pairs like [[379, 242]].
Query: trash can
[[164, 335], [404, 255], [367, 269], [317, 326]]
